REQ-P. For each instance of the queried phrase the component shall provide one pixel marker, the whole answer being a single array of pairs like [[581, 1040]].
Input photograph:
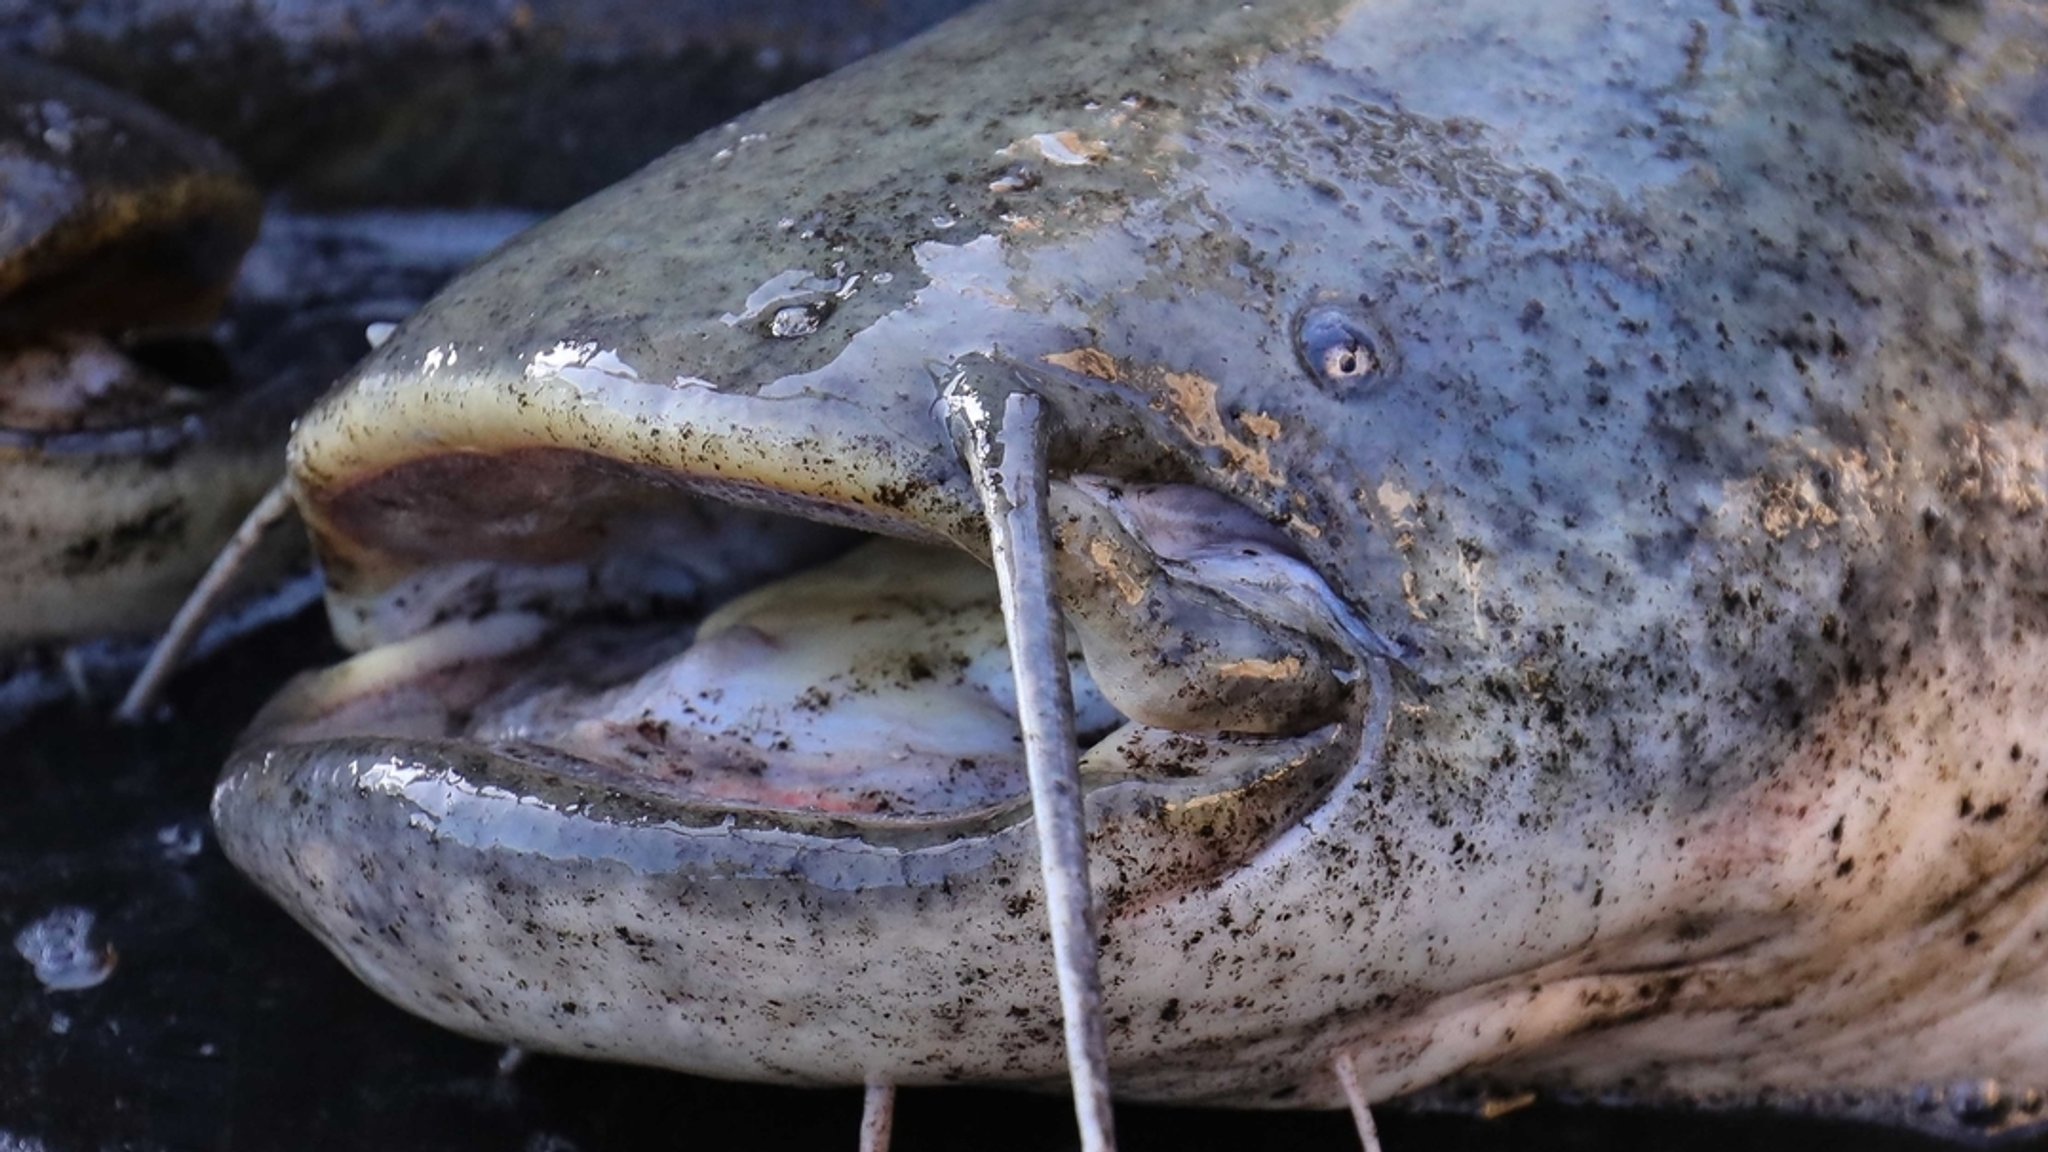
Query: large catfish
[[1548, 509]]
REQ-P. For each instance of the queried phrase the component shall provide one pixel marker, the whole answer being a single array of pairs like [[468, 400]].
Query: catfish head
[[1545, 512]]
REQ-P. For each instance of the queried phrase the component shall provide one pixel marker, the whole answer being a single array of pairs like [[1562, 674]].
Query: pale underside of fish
[[1546, 505]]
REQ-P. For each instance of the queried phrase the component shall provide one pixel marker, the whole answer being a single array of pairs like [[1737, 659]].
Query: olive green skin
[[1702, 480]]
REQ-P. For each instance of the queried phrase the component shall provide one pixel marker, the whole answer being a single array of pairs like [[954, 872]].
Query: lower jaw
[[516, 899]]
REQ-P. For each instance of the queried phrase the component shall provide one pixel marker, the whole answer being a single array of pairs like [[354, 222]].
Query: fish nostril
[[1338, 349]]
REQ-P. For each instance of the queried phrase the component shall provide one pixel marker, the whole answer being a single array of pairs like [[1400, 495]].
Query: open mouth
[[781, 611], [127, 459], [679, 642], [872, 684]]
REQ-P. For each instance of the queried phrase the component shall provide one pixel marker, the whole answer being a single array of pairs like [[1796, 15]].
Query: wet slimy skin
[[1618, 672]]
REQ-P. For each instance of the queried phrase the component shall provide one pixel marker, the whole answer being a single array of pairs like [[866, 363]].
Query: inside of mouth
[[875, 684], [686, 639], [79, 383]]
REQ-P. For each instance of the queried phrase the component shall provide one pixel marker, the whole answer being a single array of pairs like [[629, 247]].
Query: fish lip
[[494, 800], [784, 454], [468, 900], [552, 780]]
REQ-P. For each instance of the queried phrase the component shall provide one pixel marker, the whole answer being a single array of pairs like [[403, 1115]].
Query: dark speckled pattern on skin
[[1702, 482]]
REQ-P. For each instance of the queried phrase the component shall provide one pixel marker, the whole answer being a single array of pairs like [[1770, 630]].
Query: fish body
[[1550, 501]]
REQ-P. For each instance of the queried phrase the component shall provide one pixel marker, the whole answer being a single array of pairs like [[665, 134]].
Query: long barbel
[[204, 601], [877, 1116], [1002, 432]]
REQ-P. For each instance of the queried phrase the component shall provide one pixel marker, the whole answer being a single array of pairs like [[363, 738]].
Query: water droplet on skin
[[61, 949], [1017, 179], [793, 303]]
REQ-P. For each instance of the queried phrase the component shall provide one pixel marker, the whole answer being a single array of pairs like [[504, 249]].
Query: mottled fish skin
[[1701, 484]]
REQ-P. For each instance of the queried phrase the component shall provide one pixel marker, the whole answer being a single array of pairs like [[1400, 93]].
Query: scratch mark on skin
[[1127, 585]]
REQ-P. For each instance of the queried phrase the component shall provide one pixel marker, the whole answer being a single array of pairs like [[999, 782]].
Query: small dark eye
[[1335, 347]]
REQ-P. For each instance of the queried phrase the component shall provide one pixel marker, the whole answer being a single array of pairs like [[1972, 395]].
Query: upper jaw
[[410, 470]]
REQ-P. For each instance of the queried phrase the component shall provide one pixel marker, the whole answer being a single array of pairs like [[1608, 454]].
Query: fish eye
[[1336, 348]]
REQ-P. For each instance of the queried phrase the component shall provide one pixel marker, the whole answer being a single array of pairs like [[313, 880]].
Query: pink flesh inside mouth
[[875, 683]]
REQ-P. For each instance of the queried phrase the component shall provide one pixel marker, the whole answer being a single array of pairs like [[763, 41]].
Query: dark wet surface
[[225, 1027], [455, 102]]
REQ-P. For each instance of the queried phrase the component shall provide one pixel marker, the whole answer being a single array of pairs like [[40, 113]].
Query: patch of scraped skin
[[1701, 491]]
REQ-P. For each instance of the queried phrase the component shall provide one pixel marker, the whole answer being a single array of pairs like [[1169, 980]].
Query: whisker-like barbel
[[1361, 1109], [877, 1116], [205, 601], [1006, 450]]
